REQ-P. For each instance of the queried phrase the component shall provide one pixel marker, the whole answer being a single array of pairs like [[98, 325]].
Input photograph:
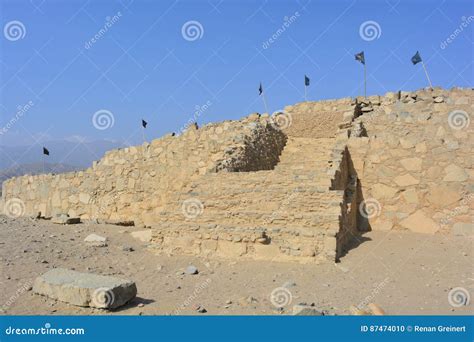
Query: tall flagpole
[[305, 98], [143, 132], [365, 80], [426, 73], [264, 101]]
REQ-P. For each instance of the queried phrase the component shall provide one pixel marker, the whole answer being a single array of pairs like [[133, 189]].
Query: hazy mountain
[[34, 169], [67, 152]]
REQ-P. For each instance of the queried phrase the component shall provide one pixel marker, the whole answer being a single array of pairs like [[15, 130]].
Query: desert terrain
[[401, 271]]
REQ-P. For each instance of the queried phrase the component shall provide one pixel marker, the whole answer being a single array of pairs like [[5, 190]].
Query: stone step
[[294, 204], [280, 190], [244, 229], [276, 195], [260, 176], [263, 218]]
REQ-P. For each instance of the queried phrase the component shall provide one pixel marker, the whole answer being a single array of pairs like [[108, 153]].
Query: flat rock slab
[[96, 240], [142, 235], [65, 220], [85, 289]]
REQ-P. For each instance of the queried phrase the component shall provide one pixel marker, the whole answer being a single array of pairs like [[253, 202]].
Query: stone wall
[[127, 183], [415, 165], [317, 119], [298, 191], [286, 214]]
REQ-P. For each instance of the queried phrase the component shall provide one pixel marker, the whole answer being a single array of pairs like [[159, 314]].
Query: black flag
[[306, 80], [360, 57], [144, 123], [260, 89], [416, 58], [45, 151]]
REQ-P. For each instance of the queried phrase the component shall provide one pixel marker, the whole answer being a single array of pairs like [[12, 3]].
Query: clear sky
[[144, 64]]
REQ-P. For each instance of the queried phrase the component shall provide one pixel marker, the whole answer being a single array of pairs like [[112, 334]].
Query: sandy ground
[[404, 273]]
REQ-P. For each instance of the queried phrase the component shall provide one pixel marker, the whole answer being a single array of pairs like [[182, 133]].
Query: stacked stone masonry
[[299, 191]]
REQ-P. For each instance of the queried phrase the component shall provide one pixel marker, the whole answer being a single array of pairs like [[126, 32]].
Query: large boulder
[[85, 289]]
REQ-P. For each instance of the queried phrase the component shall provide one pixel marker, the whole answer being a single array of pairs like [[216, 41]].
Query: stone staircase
[[288, 213]]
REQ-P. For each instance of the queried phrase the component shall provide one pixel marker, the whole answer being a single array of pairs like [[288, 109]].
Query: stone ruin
[[299, 185]]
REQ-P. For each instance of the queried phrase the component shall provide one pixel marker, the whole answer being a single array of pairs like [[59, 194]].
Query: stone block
[[410, 196], [406, 180], [420, 222], [381, 191], [443, 196], [85, 289], [96, 240], [64, 219], [84, 198], [455, 173], [411, 164], [142, 235]]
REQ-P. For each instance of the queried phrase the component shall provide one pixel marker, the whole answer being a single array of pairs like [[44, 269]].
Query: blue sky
[[143, 67]]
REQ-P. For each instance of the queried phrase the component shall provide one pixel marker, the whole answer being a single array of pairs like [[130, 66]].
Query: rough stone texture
[[127, 184], [96, 240], [85, 289], [142, 235], [255, 189], [414, 158], [420, 223]]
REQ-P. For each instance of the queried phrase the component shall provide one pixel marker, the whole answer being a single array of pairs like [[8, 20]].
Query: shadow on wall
[[354, 220]]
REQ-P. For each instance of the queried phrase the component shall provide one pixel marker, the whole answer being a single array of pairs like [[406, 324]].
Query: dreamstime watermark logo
[[103, 297], [287, 21], [375, 291], [14, 30], [21, 110], [22, 289], [192, 208], [192, 30], [281, 297], [197, 290], [109, 22], [458, 210], [458, 297], [103, 119], [14, 208], [106, 201], [464, 24], [370, 30], [46, 330], [198, 111], [458, 119], [370, 208], [281, 119]]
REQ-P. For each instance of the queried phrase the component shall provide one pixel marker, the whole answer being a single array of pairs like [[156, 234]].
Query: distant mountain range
[[64, 156], [34, 169], [60, 152]]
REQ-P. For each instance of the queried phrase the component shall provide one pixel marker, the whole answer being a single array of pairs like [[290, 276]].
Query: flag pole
[[143, 132], [265, 102], [365, 80], [305, 97], [426, 73]]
